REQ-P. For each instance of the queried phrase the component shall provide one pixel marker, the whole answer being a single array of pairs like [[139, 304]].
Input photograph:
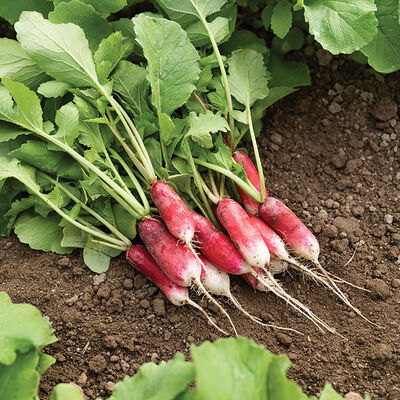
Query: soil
[[331, 153]]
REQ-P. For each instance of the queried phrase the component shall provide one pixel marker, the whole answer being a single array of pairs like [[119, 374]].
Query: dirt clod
[[385, 109], [379, 288], [159, 307], [98, 364]]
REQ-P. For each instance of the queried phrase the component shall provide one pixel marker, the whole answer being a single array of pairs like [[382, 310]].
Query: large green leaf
[[281, 18], [61, 50], [22, 328], [97, 257], [173, 67], [17, 65], [12, 168], [104, 7], [11, 9], [341, 26], [36, 153], [84, 15], [157, 382], [384, 51], [9, 132], [130, 82], [41, 233], [231, 369], [248, 76], [29, 110]]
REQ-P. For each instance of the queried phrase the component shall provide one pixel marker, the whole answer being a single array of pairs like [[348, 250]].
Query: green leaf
[[146, 123], [67, 120], [166, 128], [124, 221], [61, 50], [172, 379], [57, 163], [20, 380], [233, 369], [266, 15], [330, 394], [12, 168], [53, 89], [275, 93], [29, 109], [153, 147], [183, 11], [294, 40], [41, 233], [84, 15], [383, 51], [279, 386], [73, 237], [281, 19], [104, 7], [45, 362], [9, 132], [248, 77], [110, 52], [243, 39], [198, 34], [22, 328], [341, 26], [65, 391], [11, 9], [288, 73], [173, 67], [17, 65], [200, 127], [131, 83], [97, 257]]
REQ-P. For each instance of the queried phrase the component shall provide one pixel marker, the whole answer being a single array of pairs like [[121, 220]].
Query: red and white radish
[[284, 222], [176, 260], [217, 247], [252, 175], [142, 261], [243, 234]]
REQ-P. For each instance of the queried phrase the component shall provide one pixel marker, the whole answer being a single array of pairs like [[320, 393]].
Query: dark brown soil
[[331, 153]]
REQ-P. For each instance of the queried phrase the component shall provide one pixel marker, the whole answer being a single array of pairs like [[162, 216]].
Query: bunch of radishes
[[183, 248]]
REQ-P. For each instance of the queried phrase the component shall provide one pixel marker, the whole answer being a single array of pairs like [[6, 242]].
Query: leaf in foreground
[[22, 327], [157, 382], [341, 26], [233, 369], [61, 50], [384, 51], [65, 391], [173, 67]]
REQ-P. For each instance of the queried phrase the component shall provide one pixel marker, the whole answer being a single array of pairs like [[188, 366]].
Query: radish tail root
[[222, 309], [276, 288], [257, 320], [342, 295], [195, 305]]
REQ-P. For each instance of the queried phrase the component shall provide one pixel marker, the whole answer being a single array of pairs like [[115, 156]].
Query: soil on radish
[[330, 152]]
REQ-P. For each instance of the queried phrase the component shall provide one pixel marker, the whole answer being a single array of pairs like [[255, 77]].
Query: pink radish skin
[[252, 175], [173, 211], [241, 231], [289, 227], [275, 244], [218, 248], [174, 258], [177, 261], [142, 261]]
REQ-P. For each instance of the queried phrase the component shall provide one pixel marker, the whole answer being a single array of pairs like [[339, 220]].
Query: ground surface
[[331, 153]]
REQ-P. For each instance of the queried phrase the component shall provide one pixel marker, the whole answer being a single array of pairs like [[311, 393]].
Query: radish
[[141, 260], [252, 175], [252, 247], [254, 282], [174, 258], [174, 212], [218, 248], [245, 236], [284, 222], [217, 282]]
